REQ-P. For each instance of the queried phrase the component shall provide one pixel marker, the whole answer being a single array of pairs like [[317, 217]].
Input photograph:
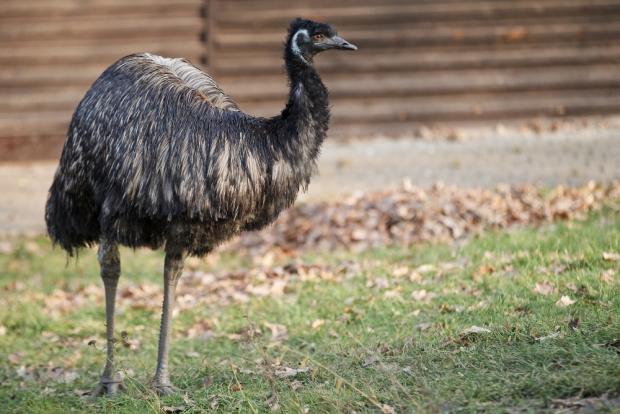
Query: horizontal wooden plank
[[34, 123], [124, 29], [406, 109], [147, 13], [402, 61], [480, 106], [83, 71], [442, 36], [268, 87], [177, 37], [68, 99], [416, 13], [432, 82], [20, 79], [93, 51], [395, 23], [18, 8], [29, 148], [45, 4], [253, 6]]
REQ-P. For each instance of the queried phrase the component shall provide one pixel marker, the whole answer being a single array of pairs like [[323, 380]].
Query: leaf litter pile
[[404, 216], [410, 214]]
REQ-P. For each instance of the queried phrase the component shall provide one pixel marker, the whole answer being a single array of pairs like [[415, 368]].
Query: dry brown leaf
[[378, 282], [422, 295], [201, 329], [564, 301], [393, 293], [608, 276], [82, 393], [317, 323], [15, 358], [400, 271], [287, 372], [278, 332], [478, 305], [484, 270], [173, 409], [425, 268], [545, 288], [387, 409], [6, 247], [423, 326], [601, 403], [475, 330], [59, 374], [611, 256], [415, 277]]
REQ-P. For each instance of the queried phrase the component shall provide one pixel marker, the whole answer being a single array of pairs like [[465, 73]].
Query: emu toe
[[108, 387], [164, 389]]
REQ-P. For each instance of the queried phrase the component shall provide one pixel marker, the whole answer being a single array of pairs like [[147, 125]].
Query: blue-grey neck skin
[[149, 162]]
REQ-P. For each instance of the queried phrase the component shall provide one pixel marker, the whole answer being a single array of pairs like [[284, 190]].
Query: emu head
[[306, 38]]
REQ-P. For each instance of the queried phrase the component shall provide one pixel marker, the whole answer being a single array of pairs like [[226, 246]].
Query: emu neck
[[306, 116]]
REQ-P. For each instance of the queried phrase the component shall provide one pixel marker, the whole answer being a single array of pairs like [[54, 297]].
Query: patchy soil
[[538, 153]]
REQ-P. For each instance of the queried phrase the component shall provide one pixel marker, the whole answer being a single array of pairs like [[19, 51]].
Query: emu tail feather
[[71, 214]]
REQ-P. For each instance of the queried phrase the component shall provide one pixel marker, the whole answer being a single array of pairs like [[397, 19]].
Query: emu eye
[[318, 37]]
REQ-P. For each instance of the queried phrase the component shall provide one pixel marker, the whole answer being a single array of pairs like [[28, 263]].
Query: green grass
[[378, 348]]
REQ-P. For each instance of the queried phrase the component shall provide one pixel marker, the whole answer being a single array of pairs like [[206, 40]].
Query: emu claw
[[108, 387], [164, 389]]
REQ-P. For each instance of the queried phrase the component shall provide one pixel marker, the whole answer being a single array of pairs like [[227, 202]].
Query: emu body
[[149, 159], [157, 155]]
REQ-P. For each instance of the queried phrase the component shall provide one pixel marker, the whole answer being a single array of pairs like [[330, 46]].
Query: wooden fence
[[420, 61], [52, 50]]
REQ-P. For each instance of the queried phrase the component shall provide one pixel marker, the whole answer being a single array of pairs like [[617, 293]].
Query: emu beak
[[338, 42]]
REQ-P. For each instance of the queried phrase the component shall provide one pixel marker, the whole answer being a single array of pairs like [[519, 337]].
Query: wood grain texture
[[420, 62]]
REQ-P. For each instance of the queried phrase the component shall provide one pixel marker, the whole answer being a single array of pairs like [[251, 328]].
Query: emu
[[157, 156]]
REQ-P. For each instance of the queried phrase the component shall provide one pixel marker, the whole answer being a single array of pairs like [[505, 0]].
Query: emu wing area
[[196, 79]]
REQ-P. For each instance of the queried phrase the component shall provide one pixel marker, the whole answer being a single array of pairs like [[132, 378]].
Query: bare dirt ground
[[543, 154]]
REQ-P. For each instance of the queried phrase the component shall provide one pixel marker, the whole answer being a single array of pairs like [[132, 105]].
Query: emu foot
[[163, 389], [108, 386]]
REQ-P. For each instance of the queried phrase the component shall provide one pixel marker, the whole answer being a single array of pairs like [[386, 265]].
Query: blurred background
[[476, 92]]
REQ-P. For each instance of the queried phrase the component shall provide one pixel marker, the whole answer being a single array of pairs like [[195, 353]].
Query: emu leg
[[110, 264], [172, 273]]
